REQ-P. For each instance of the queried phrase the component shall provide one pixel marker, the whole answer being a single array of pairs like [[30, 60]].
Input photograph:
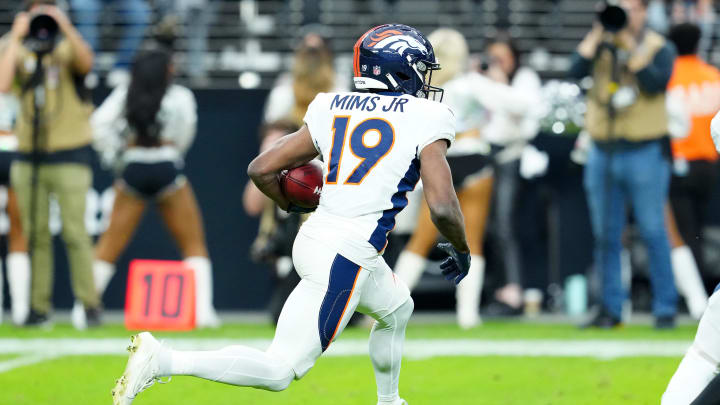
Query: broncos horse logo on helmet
[[395, 58]]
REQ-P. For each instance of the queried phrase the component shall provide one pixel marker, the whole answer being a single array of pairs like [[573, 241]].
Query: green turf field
[[458, 379]]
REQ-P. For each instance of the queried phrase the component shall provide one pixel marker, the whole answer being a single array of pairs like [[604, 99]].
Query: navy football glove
[[455, 267], [292, 208]]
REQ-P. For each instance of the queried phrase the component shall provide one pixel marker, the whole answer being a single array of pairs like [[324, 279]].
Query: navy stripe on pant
[[343, 275]]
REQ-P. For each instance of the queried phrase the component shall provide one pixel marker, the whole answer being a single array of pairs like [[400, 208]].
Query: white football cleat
[[141, 371]]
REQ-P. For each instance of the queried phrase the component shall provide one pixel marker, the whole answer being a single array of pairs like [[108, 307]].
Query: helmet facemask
[[425, 69]]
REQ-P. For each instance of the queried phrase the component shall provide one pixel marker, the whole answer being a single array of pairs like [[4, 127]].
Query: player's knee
[[281, 380], [404, 311]]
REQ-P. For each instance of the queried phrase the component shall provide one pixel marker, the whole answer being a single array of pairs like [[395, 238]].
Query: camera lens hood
[[612, 17], [43, 34]]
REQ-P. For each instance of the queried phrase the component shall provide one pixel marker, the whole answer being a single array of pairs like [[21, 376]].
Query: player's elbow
[[256, 170], [442, 213]]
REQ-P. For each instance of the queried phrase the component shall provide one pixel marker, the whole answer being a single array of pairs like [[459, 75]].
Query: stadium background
[[250, 43]]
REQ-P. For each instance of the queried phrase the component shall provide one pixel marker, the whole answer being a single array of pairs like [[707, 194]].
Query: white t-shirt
[[510, 109], [370, 145]]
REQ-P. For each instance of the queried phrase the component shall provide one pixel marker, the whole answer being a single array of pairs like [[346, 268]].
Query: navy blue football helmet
[[395, 58]]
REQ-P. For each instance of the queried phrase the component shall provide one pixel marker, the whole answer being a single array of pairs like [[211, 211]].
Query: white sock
[[700, 363], [467, 294], [688, 281], [386, 345], [18, 274], [410, 267], [102, 273], [236, 365], [204, 311]]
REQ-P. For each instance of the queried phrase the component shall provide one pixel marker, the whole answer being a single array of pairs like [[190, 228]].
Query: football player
[[696, 380], [376, 145]]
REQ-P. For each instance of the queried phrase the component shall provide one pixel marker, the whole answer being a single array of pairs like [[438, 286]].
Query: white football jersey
[[370, 146]]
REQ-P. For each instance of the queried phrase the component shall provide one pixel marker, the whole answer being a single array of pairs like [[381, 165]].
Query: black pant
[[554, 219], [690, 195]]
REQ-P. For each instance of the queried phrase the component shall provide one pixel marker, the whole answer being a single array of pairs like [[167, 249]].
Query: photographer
[[629, 159], [42, 61]]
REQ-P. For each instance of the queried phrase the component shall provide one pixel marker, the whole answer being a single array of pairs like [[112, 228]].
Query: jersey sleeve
[[314, 120], [109, 125], [180, 117], [441, 126]]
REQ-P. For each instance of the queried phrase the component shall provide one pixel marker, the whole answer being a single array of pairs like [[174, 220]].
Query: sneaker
[[468, 319], [208, 319], [38, 320], [665, 322], [92, 317], [141, 371], [78, 317], [603, 320], [499, 309]]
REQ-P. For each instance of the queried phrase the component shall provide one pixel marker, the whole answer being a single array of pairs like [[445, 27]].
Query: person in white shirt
[[144, 130], [17, 260], [511, 93], [472, 177]]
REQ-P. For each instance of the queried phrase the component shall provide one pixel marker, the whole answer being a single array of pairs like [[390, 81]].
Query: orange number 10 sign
[[160, 296]]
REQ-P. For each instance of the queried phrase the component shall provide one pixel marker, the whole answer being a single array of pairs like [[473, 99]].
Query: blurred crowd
[[559, 181]]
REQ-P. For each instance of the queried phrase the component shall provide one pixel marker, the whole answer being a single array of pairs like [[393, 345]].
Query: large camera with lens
[[43, 35], [612, 17]]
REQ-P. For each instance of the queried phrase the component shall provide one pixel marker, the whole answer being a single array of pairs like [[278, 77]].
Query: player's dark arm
[[286, 153], [440, 195]]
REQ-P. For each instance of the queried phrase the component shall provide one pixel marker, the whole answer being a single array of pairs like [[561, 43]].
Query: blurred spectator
[[144, 130], [54, 146], [556, 235], [513, 122], [133, 14], [17, 260], [274, 242], [312, 73], [630, 157], [195, 16], [700, 12], [696, 85], [472, 176]]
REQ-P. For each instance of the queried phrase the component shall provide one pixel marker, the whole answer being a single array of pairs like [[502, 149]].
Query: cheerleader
[[472, 178], [17, 261], [144, 130]]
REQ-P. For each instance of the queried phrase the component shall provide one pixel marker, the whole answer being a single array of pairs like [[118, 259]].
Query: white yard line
[[41, 349], [25, 360]]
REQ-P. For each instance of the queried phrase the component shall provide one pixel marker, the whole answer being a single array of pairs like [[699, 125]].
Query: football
[[302, 185]]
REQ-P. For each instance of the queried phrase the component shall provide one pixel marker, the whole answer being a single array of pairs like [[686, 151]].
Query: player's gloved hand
[[292, 208], [455, 267]]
